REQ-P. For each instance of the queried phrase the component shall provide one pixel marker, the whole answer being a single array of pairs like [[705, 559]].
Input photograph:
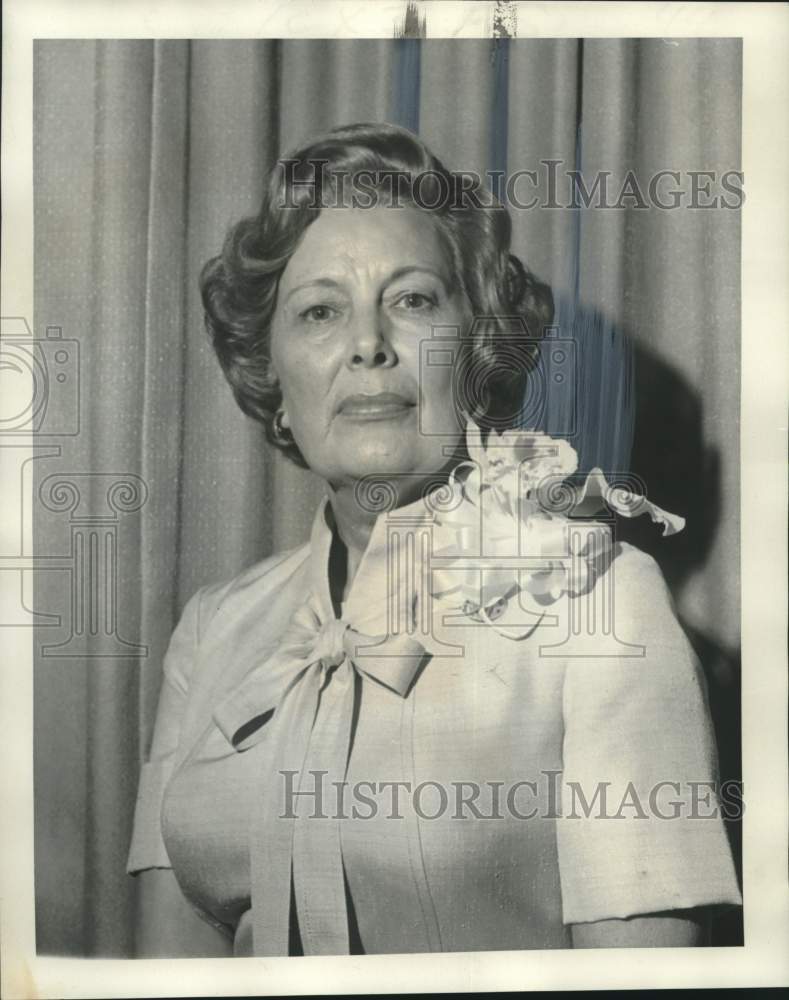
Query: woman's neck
[[355, 520], [354, 527]]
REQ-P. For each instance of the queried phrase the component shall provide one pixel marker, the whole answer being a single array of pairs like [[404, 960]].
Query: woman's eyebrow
[[401, 272], [313, 283]]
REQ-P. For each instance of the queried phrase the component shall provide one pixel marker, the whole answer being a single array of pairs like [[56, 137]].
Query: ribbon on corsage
[[515, 498]]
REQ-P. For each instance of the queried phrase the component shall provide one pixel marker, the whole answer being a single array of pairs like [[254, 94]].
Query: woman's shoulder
[[226, 627], [630, 567], [638, 568], [633, 639], [254, 587], [633, 591]]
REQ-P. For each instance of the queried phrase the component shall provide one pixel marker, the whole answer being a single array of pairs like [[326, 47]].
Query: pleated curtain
[[145, 152]]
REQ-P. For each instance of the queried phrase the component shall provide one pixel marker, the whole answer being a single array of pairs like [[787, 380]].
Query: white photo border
[[764, 958]]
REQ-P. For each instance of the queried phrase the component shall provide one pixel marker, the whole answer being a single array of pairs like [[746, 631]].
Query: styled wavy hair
[[365, 164]]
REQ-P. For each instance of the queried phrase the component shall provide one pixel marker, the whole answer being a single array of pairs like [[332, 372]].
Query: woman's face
[[354, 303]]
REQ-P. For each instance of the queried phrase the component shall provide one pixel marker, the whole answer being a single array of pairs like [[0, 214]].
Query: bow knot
[[312, 722], [329, 643]]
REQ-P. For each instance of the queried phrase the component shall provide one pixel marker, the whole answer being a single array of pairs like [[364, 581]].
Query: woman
[[380, 741]]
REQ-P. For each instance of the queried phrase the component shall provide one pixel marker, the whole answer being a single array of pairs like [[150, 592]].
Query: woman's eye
[[413, 301], [319, 313]]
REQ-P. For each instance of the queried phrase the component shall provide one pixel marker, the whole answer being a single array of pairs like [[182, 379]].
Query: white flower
[[502, 515], [516, 462]]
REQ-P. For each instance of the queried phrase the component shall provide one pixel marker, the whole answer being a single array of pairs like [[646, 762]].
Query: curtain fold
[[162, 388], [145, 153]]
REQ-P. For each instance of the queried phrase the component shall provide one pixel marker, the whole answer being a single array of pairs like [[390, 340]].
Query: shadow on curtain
[[144, 154]]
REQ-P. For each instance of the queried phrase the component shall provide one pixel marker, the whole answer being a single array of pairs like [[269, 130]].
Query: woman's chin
[[384, 466], [400, 460], [381, 450]]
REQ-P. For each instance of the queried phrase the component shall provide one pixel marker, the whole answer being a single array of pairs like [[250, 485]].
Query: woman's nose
[[370, 345]]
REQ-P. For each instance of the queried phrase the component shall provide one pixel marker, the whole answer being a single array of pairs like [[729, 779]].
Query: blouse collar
[[387, 574]]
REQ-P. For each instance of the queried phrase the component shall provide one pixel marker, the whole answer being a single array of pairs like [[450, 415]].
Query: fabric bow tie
[[304, 698]]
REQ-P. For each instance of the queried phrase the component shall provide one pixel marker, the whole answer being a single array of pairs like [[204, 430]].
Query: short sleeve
[[147, 849], [641, 829]]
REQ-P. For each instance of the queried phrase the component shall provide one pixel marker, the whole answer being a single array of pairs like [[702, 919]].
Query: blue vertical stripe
[[499, 112], [578, 165], [605, 401], [594, 404], [405, 92], [595, 407]]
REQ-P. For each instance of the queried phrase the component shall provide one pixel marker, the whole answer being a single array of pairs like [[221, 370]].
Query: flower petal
[[626, 503]]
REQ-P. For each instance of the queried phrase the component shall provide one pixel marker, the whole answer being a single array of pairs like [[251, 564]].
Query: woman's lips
[[380, 406]]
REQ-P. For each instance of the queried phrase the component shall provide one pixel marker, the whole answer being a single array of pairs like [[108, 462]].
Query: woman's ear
[[275, 384]]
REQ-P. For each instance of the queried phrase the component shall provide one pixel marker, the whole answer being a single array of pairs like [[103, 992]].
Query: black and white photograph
[[377, 511]]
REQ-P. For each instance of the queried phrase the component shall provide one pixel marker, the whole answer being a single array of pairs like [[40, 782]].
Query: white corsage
[[520, 535]]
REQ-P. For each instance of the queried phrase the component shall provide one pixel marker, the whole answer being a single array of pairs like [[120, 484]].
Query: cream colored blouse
[[331, 786]]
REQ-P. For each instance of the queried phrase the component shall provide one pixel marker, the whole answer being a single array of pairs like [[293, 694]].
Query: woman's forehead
[[382, 237]]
